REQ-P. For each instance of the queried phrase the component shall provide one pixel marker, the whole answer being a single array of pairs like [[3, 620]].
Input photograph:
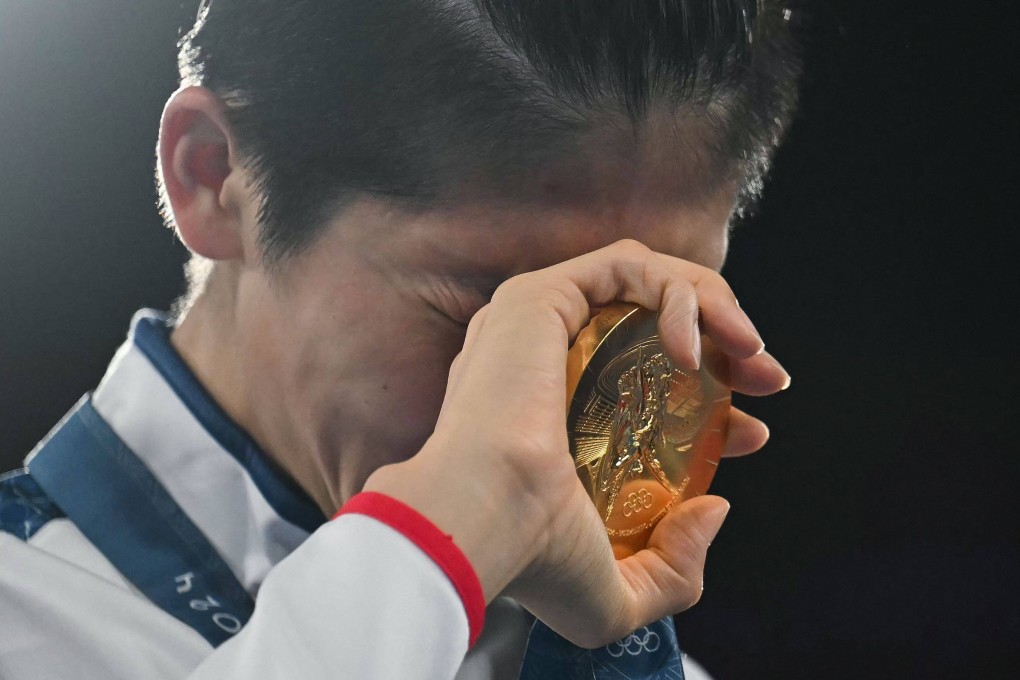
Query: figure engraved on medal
[[637, 433]]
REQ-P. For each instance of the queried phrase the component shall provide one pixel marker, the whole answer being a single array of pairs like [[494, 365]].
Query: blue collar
[[151, 335], [173, 493]]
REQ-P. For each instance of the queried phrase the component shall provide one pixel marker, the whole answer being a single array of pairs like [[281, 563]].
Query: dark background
[[877, 534]]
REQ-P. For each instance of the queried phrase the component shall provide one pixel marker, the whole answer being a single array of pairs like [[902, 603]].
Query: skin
[[340, 364]]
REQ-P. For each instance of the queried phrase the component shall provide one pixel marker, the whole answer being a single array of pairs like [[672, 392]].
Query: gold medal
[[644, 434]]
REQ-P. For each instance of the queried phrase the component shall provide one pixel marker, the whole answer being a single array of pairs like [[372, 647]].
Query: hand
[[497, 475]]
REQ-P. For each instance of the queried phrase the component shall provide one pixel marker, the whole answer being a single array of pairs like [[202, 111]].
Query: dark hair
[[420, 100]]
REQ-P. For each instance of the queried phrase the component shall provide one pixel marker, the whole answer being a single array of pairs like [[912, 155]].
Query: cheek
[[415, 366]]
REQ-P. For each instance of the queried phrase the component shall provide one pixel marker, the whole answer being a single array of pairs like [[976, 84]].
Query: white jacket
[[179, 525]]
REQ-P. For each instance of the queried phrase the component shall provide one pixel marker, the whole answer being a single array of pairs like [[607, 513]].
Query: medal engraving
[[644, 434]]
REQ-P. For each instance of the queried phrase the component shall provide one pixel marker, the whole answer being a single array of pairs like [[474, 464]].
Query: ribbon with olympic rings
[[649, 653]]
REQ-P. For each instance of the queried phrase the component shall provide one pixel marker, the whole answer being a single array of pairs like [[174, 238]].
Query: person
[[400, 215]]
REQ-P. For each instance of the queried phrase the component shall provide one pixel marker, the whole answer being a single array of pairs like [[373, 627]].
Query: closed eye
[[458, 298]]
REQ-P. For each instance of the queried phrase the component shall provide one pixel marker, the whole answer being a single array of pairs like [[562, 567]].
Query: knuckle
[[632, 254], [632, 247], [508, 288]]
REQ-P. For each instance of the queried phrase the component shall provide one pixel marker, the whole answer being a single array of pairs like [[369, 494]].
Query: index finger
[[682, 292]]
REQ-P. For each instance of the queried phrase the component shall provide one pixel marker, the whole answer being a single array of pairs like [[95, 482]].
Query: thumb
[[667, 577]]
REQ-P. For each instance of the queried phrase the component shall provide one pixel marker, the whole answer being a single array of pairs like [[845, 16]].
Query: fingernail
[[715, 521], [696, 345], [786, 376]]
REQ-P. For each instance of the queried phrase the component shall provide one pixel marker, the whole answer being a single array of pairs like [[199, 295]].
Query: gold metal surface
[[644, 434]]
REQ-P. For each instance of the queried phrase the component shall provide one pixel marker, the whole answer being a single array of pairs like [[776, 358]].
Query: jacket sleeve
[[377, 593]]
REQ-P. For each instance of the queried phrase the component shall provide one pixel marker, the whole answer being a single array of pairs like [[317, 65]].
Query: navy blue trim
[[122, 509], [649, 653], [152, 336], [24, 506]]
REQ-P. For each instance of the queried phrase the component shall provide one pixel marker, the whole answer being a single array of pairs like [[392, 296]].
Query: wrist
[[487, 518]]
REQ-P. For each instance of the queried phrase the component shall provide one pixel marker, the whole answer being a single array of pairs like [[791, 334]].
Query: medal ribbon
[[649, 653], [113, 499]]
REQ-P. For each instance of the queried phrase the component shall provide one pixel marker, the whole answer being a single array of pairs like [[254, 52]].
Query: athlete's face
[[354, 340]]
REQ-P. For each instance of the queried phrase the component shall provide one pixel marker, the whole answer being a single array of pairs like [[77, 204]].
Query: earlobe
[[196, 164]]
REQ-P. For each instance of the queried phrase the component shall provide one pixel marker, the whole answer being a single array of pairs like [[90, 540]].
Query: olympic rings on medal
[[637, 502]]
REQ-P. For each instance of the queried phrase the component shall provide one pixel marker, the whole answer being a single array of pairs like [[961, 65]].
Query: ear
[[201, 175]]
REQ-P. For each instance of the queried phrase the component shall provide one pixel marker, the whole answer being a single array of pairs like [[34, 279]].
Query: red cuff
[[417, 528]]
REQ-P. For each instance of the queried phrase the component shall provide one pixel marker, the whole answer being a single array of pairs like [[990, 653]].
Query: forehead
[[667, 158], [652, 187], [512, 239]]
